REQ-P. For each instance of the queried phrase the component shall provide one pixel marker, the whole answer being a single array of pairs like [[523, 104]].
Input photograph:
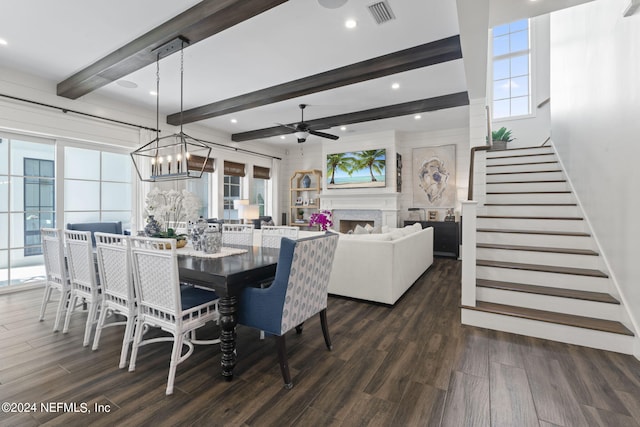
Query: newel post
[[469, 212]]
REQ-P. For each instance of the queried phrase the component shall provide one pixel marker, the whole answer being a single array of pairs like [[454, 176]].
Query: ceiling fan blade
[[323, 135], [288, 126]]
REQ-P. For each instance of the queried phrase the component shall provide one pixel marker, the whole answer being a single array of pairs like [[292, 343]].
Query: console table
[[446, 237]]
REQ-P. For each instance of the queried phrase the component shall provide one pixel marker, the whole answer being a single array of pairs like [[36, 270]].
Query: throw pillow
[[385, 229], [368, 227], [376, 230], [360, 230]]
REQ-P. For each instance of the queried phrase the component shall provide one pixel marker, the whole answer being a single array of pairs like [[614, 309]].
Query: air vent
[[381, 12]]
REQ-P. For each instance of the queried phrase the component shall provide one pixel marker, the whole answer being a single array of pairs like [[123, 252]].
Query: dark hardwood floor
[[410, 365]]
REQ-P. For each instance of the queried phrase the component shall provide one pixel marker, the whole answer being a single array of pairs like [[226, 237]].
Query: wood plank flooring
[[410, 365]]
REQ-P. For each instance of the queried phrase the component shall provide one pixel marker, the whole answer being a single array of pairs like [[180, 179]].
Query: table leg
[[228, 307]]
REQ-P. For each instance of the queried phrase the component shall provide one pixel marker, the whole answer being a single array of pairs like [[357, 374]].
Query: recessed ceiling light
[[126, 83], [234, 121], [3, 42], [282, 137], [395, 86], [153, 93], [343, 128], [350, 23], [417, 117]]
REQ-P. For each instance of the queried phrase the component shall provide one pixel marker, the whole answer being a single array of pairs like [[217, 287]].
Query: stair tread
[[489, 156], [570, 218], [551, 233], [531, 204], [547, 290], [542, 268], [537, 249], [521, 164], [529, 192], [553, 317], [520, 172], [540, 181], [531, 147]]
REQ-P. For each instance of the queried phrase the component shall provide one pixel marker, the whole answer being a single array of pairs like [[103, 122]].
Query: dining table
[[228, 276]]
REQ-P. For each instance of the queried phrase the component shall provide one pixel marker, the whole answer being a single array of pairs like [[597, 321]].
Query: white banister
[[469, 213]]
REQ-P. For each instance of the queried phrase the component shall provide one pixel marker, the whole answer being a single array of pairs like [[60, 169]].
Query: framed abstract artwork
[[434, 176]]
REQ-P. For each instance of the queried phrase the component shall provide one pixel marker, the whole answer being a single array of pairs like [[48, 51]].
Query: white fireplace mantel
[[387, 203]]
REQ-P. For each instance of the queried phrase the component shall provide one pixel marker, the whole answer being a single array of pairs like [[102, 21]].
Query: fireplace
[[347, 225], [347, 219], [377, 208]]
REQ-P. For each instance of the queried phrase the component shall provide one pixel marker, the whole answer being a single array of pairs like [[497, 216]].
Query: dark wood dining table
[[228, 275]]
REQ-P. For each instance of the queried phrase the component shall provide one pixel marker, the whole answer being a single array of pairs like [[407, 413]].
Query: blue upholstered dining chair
[[298, 292]]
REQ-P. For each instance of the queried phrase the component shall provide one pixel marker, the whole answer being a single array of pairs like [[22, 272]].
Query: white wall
[[595, 111]]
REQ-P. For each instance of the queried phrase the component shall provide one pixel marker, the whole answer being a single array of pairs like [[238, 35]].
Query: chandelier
[[176, 156]]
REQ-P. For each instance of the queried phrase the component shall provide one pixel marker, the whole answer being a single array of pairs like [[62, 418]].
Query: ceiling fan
[[303, 130]]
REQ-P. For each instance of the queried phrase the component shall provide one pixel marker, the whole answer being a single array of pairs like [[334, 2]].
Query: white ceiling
[[55, 39]]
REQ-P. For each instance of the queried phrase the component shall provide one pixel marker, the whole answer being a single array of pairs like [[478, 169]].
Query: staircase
[[538, 270]]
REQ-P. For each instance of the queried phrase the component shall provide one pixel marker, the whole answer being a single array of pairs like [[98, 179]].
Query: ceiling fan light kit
[[173, 157]]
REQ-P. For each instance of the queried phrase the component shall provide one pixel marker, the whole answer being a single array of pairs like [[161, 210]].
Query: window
[[259, 195], [233, 176], [232, 191], [511, 70], [27, 189], [97, 186], [39, 190]]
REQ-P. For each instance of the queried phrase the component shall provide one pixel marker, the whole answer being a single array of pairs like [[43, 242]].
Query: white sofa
[[381, 267]]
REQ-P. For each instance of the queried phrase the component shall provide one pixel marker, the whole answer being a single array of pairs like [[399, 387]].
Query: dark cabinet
[[446, 237]]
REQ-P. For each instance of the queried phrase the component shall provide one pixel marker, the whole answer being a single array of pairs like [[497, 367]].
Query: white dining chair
[[56, 272], [237, 234], [118, 297], [85, 287], [271, 235], [163, 303]]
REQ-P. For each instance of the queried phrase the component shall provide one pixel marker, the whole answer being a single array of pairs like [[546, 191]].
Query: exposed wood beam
[[195, 24], [420, 56], [406, 108]]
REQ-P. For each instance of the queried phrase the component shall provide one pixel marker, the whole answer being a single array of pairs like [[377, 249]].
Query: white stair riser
[[568, 334], [572, 242], [533, 210], [538, 176], [520, 160], [521, 187], [510, 153], [530, 198], [532, 224], [541, 278], [541, 258], [546, 166], [598, 310]]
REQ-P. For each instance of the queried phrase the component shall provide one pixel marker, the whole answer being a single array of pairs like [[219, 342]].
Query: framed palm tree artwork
[[357, 169], [433, 176]]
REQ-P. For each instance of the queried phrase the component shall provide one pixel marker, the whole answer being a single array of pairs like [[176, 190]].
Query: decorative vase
[[306, 181], [153, 226]]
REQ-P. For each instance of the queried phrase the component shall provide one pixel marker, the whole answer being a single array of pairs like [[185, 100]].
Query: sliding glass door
[[91, 185]]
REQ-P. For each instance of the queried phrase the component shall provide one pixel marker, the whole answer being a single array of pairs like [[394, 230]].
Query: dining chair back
[[237, 234], [271, 235], [56, 272], [85, 287], [163, 303], [298, 292], [118, 297]]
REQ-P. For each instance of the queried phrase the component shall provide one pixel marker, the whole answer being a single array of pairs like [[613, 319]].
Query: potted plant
[[500, 138]]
